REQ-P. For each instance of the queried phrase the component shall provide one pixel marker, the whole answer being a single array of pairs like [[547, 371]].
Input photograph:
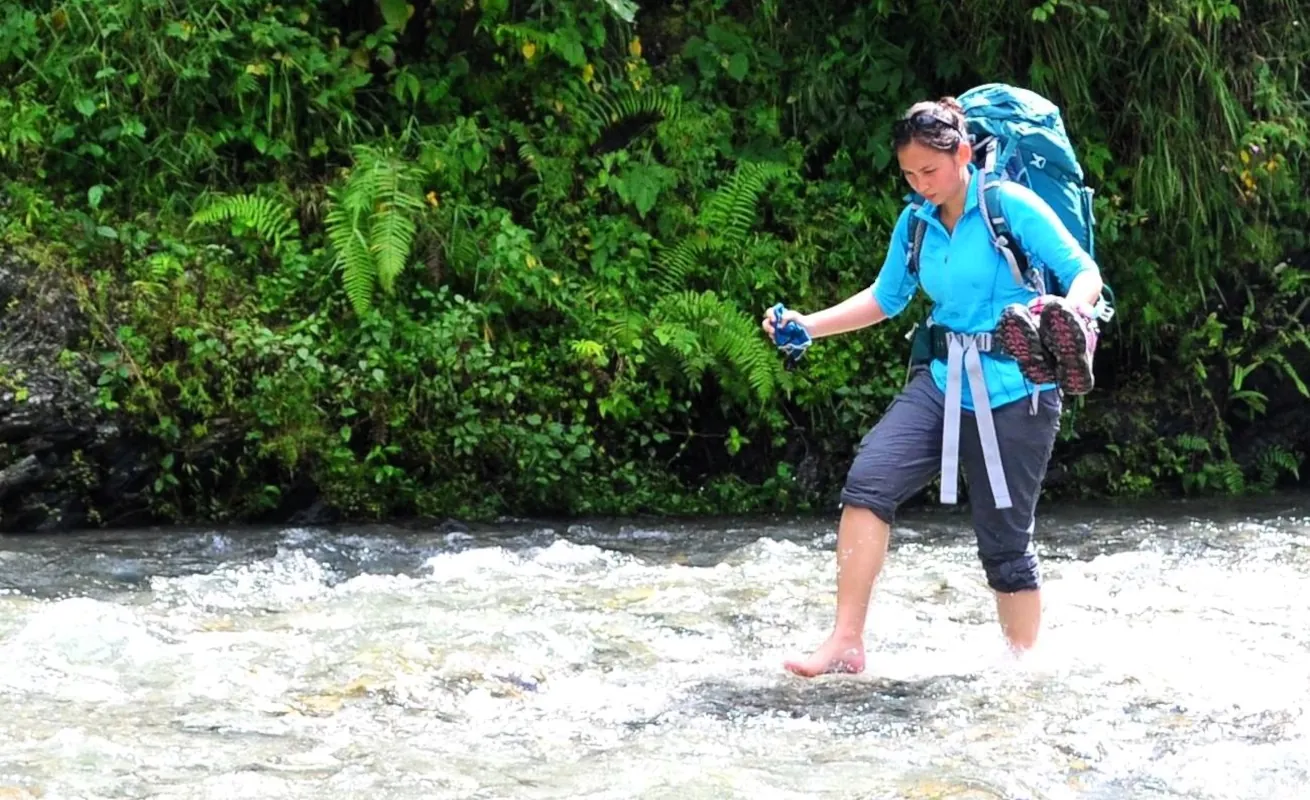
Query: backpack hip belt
[[931, 342]]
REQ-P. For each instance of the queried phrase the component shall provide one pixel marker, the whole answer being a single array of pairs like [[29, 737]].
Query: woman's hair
[[938, 124]]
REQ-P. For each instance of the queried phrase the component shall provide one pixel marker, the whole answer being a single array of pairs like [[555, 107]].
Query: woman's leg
[[861, 548], [1005, 536], [895, 460]]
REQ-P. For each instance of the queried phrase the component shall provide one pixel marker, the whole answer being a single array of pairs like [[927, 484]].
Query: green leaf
[[738, 66], [474, 157], [626, 10], [85, 105], [641, 184], [568, 44], [395, 13]]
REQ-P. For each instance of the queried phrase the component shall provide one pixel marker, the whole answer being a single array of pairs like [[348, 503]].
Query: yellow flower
[[634, 47], [529, 50]]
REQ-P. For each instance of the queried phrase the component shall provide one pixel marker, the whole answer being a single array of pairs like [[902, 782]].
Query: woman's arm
[[1086, 288], [887, 297], [858, 311], [1047, 241]]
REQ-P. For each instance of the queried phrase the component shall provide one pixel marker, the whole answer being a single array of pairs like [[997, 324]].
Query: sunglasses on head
[[926, 120]]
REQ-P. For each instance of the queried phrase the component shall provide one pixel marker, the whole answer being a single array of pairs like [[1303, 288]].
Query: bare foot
[[833, 656]]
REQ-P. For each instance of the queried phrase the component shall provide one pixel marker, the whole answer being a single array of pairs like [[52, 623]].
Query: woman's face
[[937, 175]]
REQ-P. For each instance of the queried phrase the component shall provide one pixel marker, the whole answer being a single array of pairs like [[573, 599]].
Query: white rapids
[[644, 661]]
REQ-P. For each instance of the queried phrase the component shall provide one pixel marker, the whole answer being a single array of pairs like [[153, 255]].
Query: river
[[642, 659]]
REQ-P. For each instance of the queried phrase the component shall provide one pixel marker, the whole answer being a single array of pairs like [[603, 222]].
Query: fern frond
[[589, 351], [724, 332], [1192, 443], [528, 151], [372, 222], [391, 237], [352, 256], [1233, 479], [605, 111], [1275, 460], [390, 241], [361, 185], [555, 174], [725, 224], [675, 266], [627, 328], [272, 219], [730, 212], [679, 338]]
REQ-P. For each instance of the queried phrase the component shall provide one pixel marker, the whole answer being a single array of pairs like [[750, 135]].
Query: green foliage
[[702, 331], [269, 218], [479, 258], [723, 226], [371, 222]]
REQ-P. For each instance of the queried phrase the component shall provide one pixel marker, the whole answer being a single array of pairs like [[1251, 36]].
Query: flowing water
[[642, 660]]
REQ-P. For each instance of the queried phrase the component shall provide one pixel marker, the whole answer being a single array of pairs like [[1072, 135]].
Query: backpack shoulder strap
[[1003, 239], [917, 229]]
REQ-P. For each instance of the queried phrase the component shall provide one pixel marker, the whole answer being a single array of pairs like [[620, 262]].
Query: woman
[[1004, 426]]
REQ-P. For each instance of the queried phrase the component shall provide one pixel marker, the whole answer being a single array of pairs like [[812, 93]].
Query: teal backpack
[[1018, 135]]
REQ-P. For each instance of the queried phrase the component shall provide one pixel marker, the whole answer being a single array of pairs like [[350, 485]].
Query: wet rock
[[428, 524], [318, 513], [64, 461], [16, 475]]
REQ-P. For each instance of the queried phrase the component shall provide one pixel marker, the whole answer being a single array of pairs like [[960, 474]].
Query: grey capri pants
[[903, 452]]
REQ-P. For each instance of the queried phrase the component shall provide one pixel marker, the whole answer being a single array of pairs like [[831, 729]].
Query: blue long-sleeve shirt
[[970, 282]]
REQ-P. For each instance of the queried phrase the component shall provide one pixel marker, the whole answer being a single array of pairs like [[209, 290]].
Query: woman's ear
[[964, 154]]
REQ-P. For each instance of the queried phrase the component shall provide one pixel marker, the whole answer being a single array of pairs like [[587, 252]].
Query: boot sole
[[1063, 336], [1024, 343]]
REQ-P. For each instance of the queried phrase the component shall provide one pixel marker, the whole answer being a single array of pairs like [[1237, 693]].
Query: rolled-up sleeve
[[894, 286]]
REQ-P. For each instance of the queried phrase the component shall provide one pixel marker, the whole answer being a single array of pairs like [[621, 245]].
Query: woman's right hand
[[770, 325]]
